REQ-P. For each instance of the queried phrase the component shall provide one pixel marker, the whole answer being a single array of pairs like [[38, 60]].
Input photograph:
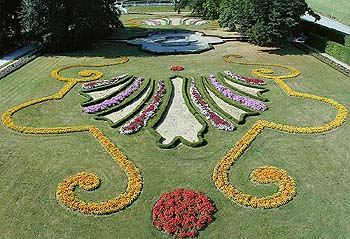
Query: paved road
[[327, 22], [17, 53]]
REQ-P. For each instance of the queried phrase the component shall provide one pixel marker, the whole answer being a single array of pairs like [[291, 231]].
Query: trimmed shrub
[[338, 51], [347, 41]]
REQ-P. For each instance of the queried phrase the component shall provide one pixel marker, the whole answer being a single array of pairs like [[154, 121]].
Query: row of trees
[[265, 22], [68, 24], [10, 29]]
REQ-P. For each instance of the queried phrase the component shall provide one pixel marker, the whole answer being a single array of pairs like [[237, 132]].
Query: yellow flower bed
[[65, 191], [287, 187]]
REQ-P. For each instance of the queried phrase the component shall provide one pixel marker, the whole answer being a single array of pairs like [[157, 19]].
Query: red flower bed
[[177, 68], [183, 213]]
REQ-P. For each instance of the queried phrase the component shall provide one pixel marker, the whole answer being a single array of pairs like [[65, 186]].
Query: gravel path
[[179, 121]]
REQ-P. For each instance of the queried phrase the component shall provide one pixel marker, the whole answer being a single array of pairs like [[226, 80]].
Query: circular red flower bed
[[183, 213], [177, 68]]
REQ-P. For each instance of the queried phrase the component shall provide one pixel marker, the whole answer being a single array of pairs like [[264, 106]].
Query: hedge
[[347, 41], [338, 51]]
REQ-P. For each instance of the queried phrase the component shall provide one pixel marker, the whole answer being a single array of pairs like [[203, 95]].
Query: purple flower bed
[[140, 121], [248, 80], [95, 84], [216, 120], [251, 103], [116, 100]]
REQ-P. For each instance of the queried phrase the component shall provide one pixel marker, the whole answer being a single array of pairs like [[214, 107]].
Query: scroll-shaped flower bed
[[116, 100], [216, 120], [140, 121], [182, 213], [246, 101]]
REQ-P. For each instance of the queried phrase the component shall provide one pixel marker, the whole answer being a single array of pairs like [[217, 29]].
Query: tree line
[[66, 24], [69, 24], [264, 22]]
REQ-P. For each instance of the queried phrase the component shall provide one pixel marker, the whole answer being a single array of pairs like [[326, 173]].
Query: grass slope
[[32, 166], [339, 9]]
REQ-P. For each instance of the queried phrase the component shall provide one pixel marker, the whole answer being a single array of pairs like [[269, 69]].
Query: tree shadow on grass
[[286, 49]]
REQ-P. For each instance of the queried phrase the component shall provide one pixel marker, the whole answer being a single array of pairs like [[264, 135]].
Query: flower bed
[[96, 84], [182, 213], [18, 63], [140, 121], [248, 80], [116, 100], [216, 120], [177, 68], [251, 103]]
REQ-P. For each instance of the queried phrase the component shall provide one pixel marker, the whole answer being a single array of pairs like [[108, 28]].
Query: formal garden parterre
[[154, 164]]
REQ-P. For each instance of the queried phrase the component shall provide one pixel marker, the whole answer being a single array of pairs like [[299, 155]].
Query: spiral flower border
[[65, 191], [287, 186]]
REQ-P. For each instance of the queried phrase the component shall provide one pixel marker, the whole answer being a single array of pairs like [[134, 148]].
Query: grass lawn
[[33, 165], [338, 9]]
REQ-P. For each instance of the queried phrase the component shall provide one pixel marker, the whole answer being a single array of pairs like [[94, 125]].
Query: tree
[[206, 8], [265, 22], [70, 24], [10, 31]]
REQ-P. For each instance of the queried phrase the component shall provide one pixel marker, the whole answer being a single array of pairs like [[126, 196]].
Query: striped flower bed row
[[216, 120], [140, 121], [246, 101], [116, 100], [248, 80], [96, 84]]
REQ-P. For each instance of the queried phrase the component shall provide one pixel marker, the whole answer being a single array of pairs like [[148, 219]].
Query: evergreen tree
[[10, 31]]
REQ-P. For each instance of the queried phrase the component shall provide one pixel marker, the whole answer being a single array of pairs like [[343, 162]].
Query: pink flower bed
[[140, 121], [216, 120], [95, 84], [248, 80], [116, 100]]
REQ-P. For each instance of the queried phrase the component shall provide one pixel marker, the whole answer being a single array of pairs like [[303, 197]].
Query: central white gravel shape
[[179, 121]]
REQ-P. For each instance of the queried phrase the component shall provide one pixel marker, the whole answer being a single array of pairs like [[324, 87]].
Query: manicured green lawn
[[32, 165], [338, 9]]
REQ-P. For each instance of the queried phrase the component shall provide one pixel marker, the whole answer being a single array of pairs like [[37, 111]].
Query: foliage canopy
[[70, 24]]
